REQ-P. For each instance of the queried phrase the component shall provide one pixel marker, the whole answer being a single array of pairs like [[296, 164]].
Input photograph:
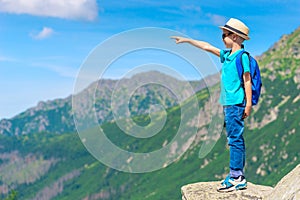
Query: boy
[[235, 97]]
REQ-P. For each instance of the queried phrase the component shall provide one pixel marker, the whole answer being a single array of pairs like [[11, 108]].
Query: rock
[[286, 189], [208, 190]]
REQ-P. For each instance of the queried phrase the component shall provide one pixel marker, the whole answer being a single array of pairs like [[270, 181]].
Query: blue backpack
[[254, 72]]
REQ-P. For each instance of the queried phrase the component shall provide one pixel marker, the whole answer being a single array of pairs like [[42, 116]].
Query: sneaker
[[225, 182], [231, 184]]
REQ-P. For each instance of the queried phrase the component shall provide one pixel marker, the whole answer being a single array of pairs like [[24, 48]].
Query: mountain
[[275, 120], [58, 166], [56, 116]]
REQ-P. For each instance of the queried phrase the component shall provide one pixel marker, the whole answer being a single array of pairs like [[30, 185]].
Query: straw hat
[[237, 27]]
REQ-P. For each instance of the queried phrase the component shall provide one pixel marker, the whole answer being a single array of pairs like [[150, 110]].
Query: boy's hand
[[178, 39], [247, 111], [200, 44]]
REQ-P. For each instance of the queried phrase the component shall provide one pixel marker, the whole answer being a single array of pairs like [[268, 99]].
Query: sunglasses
[[224, 35]]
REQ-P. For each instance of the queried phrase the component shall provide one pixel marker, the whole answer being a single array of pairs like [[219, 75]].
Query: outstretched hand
[[200, 44], [178, 39]]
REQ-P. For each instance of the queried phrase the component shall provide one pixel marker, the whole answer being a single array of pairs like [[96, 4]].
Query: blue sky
[[44, 42]]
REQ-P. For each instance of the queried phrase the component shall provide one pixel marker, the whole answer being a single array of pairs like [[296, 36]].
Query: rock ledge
[[286, 189]]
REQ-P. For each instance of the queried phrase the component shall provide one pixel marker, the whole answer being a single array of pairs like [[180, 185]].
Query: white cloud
[[2, 59], [191, 8], [63, 71], [43, 34], [6, 59], [217, 19], [67, 9]]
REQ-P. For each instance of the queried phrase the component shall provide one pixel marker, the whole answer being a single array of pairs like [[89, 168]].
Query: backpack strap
[[239, 64]]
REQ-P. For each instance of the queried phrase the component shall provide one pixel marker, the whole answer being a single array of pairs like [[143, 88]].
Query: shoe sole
[[241, 186], [223, 190], [233, 188]]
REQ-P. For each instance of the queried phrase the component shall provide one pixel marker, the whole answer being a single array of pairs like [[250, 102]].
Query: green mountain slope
[[56, 116], [276, 120], [63, 169]]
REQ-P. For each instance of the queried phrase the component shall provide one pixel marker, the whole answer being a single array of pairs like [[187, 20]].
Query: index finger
[[174, 37]]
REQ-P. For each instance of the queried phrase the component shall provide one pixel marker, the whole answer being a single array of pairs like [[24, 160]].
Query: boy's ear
[[235, 37], [238, 38]]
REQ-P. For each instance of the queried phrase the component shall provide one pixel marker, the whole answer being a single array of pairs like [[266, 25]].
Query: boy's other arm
[[248, 92], [200, 44]]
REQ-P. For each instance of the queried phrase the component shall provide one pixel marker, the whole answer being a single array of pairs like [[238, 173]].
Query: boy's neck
[[236, 47]]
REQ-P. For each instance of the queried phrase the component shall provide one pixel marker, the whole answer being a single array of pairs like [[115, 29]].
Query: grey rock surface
[[288, 188]]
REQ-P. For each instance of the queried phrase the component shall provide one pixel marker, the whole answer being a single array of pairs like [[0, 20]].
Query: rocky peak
[[287, 47], [287, 189]]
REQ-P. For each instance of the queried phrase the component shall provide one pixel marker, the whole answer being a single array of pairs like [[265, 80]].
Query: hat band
[[235, 30]]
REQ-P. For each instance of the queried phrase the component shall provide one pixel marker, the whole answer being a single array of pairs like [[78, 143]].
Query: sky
[[44, 43]]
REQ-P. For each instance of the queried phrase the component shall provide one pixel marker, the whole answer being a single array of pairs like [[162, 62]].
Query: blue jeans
[[235, 129]]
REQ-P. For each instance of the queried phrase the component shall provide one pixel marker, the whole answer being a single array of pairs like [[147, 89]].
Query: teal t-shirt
[[232, 92]]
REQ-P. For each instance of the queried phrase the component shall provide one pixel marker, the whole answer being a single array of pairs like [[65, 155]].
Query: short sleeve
[[245, 61], [222, 55]]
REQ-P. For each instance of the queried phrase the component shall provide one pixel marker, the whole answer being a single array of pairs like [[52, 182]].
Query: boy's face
[[227, 38]]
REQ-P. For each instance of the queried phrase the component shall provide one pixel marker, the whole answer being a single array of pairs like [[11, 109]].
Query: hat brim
[[246, 37]]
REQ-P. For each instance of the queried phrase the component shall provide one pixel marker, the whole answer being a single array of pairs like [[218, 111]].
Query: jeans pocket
[[240, 109]]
